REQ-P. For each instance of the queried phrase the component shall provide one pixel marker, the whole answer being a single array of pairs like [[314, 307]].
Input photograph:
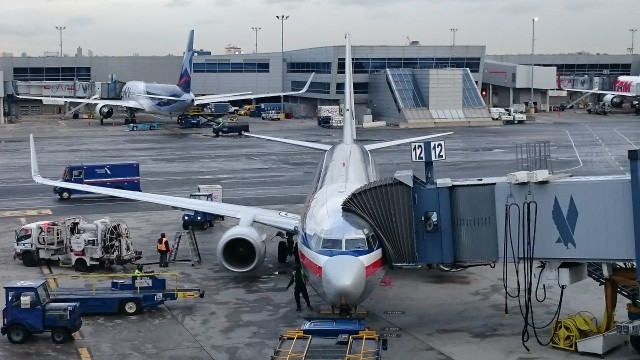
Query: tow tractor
[[193, 218], [128, 297], [29, 310], [330, 338]]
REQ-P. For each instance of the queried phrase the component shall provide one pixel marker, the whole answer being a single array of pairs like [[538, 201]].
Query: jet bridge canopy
[[386, 205]]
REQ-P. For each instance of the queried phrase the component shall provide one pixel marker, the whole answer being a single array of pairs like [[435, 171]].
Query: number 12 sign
[[428, 151]]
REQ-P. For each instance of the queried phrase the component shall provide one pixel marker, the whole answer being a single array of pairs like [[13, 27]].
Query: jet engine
[[105, 111], [241, 249], [614, 100]]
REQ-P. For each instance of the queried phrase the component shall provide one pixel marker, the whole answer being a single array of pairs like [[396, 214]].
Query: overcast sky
[[160, 27]]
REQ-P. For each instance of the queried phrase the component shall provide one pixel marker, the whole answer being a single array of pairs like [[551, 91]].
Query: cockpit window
[[331, 244], [355, 244]]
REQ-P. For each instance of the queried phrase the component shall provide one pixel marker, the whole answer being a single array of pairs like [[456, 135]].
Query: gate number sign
[[427, 151]]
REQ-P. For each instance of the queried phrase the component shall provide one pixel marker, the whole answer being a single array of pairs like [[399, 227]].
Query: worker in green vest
[[299, 278]]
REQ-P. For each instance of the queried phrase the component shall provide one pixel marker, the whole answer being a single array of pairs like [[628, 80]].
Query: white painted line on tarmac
[[624, 137], [23, 221], [32, 212], [575, 150]]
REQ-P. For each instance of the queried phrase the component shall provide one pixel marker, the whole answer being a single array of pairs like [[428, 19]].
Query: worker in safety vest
[[299, 278], [163, 250], [138, 270]]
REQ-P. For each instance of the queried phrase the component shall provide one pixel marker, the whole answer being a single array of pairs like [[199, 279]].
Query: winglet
[[306, 87], [35, 173]]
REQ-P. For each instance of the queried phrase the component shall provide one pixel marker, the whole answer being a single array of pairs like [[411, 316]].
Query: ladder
[[192, 243]]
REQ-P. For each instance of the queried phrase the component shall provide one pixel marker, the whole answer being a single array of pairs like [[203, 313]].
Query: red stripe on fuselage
[[317, 269], [310, 265], [373, 267]]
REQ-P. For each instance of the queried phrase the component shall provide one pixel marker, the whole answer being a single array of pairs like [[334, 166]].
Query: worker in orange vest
[[163, 250]]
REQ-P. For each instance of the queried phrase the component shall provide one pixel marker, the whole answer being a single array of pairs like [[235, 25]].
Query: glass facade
[[296, 67], [591, 69], [64, 73], [371, 65], [405, 93], [314, 87], [359, 88], [470, 95], [226, 66]]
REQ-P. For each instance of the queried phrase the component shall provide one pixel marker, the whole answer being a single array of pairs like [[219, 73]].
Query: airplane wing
[[277, 219], [60, 100], [229, 97], [306, 144], [621, 93], [402, 141], [216, 98]]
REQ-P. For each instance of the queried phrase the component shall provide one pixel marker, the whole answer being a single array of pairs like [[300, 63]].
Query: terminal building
[[412, 86]]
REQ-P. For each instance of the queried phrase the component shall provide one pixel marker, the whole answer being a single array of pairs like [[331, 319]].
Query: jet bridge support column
[[634, 164]]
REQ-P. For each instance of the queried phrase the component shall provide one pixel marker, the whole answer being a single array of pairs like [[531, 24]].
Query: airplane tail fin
[[184, 82], [349, 124]]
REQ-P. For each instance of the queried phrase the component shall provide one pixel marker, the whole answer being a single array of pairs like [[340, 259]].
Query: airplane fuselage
[[144, 93], [339, 251]]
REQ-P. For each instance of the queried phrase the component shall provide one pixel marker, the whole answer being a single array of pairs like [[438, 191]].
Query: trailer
[[330, 338], [129, 297]]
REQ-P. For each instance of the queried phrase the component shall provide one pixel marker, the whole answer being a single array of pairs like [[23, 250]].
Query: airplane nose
[[343, 279]]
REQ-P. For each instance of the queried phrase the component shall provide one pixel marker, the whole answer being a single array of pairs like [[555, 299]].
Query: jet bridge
[[575, 227]]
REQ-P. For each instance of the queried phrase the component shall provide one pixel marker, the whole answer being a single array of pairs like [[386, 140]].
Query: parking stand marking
[[84, 353]]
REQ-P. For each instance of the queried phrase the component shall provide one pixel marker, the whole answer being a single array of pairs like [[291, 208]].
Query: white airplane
[[161, 99], [625, 89], [339, 251]]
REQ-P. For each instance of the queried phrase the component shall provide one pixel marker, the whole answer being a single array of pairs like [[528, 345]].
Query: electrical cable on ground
[[523, 254]]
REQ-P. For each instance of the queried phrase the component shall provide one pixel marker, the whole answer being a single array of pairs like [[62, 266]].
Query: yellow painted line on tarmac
[[53, 284], [23, 221], [84, 353], [77, 335], [23, 213], [45, 269]]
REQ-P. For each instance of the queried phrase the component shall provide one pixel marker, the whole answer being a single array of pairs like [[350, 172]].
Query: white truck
[[512, 115], [330, 116], [75, 242]]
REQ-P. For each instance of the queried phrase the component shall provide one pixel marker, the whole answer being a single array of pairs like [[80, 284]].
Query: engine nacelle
[[105, 111], [613, 100], [241, 249]]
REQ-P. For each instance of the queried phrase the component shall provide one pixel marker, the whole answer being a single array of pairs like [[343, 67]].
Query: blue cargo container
[[123, 176]]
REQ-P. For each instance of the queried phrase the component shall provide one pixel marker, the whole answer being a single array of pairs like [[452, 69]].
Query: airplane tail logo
[[184, 82], [566, 225]]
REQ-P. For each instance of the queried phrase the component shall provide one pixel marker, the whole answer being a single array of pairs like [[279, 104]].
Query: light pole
[[633, 31], [60, 28], [453, 30], [533, 41], [282, 18], [256, 29]]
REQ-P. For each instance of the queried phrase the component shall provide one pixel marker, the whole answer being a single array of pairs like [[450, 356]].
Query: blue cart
[[144, 126]]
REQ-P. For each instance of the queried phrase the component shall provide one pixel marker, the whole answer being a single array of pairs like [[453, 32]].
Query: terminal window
[[372, 65], [52, 73], [231, 67], [359, 88], [297, 67]]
